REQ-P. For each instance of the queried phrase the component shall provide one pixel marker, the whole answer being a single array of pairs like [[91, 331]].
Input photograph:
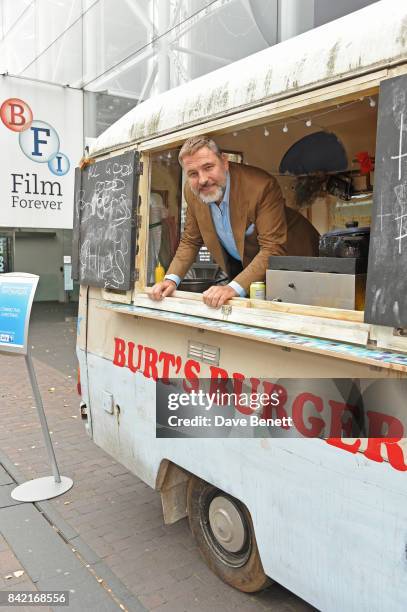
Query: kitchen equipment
[[198, 285], [318, 281], [352, 241], [202, 276]]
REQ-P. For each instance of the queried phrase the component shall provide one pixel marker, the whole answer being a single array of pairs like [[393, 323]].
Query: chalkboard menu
[[105, 228], [386, 291]]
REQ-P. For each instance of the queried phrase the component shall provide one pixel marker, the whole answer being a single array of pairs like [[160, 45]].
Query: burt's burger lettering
[[329, 418]]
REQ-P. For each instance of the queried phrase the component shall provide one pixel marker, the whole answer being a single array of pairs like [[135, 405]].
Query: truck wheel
[[225, 536]]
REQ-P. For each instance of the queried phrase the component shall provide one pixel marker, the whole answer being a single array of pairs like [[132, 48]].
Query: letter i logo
[[59, 164]]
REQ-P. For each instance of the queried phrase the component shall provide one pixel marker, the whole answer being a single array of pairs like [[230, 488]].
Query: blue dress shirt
[[221, 220]]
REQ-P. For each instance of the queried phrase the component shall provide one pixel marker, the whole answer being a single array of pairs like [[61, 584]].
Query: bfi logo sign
[[38, 140]]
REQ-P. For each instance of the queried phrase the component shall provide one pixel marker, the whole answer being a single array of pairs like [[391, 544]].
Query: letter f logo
[[37, 141]]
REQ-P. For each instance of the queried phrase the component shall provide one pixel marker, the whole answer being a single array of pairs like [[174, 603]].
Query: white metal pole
[[42, 417]]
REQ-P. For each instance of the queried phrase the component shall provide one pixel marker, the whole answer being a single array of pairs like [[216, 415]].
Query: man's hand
[[216, 296], [162, 289]]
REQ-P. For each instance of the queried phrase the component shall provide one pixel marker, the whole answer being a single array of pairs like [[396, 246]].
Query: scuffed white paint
[[330, 526], [367, 40]]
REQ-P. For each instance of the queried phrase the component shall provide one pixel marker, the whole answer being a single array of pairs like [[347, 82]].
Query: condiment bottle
[[159, 272]]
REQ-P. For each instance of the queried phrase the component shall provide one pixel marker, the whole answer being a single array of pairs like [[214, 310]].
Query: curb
[[91, 561]]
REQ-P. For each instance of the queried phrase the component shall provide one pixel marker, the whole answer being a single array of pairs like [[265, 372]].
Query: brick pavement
[[114, 513]]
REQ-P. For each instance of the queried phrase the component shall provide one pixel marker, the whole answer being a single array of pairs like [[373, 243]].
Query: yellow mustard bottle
[[159, 272]]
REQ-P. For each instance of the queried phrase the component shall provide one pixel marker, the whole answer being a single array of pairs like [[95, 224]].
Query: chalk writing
[[401, 155], [401, 216], [104, 207], [386, 289], [381, 215]]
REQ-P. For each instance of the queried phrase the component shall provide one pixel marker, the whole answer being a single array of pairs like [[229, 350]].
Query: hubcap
[[227, 524]]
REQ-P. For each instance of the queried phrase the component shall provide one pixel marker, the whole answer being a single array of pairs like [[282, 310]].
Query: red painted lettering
[[394, 433], [130, 358], [167, 359], [317, 424], [219, 381], [191, 373], [150, 363], [238, 380], [119, 358], [339, 443], [339, 424], [281, 413]]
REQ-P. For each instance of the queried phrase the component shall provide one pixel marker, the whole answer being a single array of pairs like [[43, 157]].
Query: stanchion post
[[16, 296], [42, 417]]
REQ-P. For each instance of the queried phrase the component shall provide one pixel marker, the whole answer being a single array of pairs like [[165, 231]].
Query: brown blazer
[[255, 197]]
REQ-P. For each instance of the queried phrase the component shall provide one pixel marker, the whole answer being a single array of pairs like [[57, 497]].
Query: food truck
[[320, 507]]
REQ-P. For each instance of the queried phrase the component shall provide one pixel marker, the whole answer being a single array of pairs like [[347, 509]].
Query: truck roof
[[367, 40]]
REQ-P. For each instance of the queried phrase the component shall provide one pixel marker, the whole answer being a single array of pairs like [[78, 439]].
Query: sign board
[[16, 297], [41, 137], [105, 228], [386, 291]]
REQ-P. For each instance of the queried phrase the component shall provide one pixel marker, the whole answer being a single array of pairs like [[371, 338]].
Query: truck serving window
[[324, 165]]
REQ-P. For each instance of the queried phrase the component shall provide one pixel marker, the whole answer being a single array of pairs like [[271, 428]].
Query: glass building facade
[[121, 52]]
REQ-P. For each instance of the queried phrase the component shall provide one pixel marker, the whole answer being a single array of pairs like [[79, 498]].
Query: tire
[[224, 532]]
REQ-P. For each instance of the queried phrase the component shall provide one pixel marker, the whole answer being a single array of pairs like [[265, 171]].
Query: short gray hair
[[194, 144]]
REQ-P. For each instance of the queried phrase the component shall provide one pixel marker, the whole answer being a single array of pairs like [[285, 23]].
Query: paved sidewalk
[[112, 520], [46, 561], [12, 574]]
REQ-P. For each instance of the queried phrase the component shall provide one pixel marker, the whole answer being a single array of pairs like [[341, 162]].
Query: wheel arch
[[172, 483]]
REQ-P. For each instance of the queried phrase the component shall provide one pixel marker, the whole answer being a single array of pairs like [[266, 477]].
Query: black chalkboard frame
[[386, 290], [105, 230]]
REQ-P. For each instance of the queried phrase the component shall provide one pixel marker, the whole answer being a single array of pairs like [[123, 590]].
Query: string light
[[169, 155], [311, 121]]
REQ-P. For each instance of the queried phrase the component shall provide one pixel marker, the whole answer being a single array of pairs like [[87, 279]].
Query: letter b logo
[[16, 114]]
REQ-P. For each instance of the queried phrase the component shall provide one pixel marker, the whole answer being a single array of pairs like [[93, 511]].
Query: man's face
[[206, 174]]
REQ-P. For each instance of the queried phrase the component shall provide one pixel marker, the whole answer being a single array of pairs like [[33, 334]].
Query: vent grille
[[203, 352]]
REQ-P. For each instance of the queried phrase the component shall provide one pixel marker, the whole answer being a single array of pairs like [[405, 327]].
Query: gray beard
[[208, 199]]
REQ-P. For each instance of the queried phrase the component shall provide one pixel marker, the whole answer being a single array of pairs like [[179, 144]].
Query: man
[[238, 212]]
